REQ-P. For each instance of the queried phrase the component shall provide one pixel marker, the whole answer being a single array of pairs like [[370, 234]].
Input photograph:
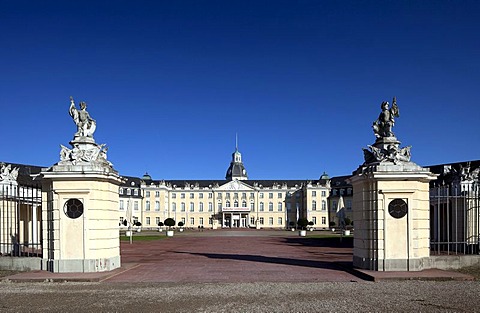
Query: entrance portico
[[235, 217]]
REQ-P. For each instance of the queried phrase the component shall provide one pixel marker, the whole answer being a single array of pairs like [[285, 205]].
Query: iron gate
[[20, 220], [454, 218]]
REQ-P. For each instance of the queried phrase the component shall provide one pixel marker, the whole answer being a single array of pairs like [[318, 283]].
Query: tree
[[160, 224], [302, 223], [180, 224], [170, 222]]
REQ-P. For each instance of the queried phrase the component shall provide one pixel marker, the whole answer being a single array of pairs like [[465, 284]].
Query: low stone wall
[[20, 264], [453, 262]]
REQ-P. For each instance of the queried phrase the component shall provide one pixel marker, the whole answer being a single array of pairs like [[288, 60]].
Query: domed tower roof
[[146, 176], [236, 170]]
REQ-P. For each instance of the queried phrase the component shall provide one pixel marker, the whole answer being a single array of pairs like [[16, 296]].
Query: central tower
[[236, 170]]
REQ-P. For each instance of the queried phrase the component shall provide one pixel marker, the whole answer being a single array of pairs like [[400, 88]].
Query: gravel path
[[407, 296]]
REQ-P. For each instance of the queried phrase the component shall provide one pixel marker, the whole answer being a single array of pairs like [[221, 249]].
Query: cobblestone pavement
[[405, 296]]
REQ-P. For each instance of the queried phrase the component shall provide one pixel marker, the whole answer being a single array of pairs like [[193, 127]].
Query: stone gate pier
[[391, 203], [80, 204]]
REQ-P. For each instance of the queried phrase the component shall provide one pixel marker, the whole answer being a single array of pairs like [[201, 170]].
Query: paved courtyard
[[235, 256]]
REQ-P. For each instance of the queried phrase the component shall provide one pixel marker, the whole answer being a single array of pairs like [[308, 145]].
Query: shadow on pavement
[[267, 259], [332, 242]]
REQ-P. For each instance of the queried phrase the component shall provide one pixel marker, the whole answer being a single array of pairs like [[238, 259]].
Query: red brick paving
[[247, 256], [236, 256]]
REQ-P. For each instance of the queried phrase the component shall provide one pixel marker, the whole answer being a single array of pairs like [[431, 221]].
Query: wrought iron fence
[[20, 220], [454, 218]]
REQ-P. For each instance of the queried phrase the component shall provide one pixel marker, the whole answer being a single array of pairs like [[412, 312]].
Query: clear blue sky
[[171, 82]]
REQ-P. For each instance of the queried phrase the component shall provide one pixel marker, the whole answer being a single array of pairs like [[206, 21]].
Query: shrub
[[169, 222], [160, 224], [180, 224], [302, 223], [347, 221], [332, 224]]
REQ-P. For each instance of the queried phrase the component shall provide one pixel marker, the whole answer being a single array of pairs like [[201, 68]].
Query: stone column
[[391, 217]]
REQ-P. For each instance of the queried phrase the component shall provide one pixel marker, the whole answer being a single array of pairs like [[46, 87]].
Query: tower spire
[[236, 141], [236, 169]]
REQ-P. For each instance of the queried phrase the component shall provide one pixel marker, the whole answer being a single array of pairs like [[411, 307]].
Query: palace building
[[235, 202]]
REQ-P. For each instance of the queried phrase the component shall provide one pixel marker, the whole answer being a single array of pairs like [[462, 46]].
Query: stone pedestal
[[391, 216], [80, 218]]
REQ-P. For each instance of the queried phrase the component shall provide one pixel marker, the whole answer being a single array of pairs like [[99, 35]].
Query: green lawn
[[140, 237]]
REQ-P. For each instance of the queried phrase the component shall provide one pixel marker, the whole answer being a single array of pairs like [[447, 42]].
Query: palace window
[[147, 193], [261, 220], [174, 207], [235, 204], [200, 195], [182, 220], [192, 207], [174, 195], [349, 204], [147, 220], [128, 192], [324, 193], [314, 193], [200, 221], [182, 195], [279, 221], [147, 205], [324, 220], [244, 195], [270, 206], [157, 220], [135, 205], [280, 195], [210, 207], [157, 194], [261, 207], [227, 204], [135, 192], [227, 195], [192, 221], [121, 191], [270, 221], [314, 205], [314, 220], [121, 204], [244, 204], [252, 206], [324, 205], [261, 195], [192, 195], [252, 220], [200, 208], [219, 207], [182, 208], [157, 205], [210, 195], [279, 207]]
